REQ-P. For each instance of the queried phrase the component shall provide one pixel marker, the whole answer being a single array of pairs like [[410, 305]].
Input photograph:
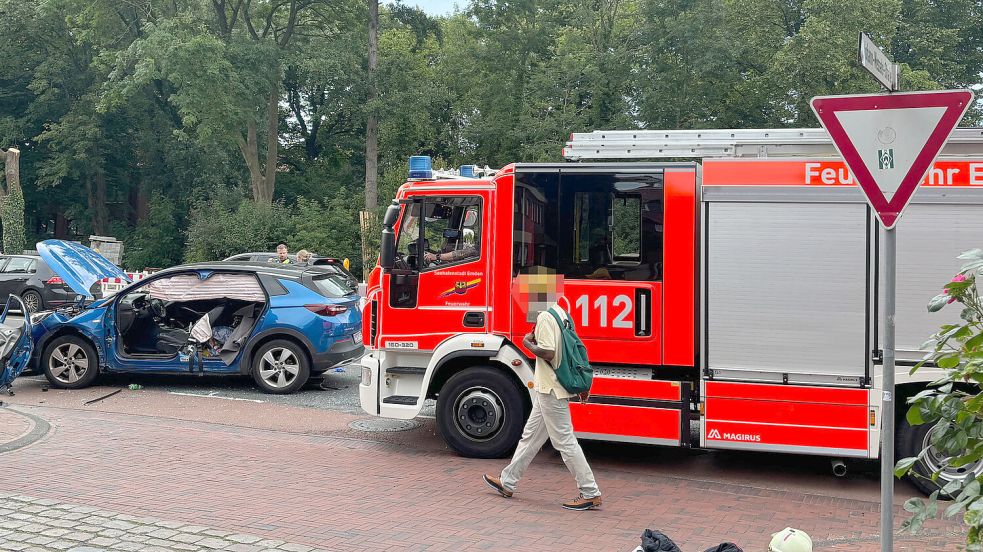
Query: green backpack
[[574, 372]]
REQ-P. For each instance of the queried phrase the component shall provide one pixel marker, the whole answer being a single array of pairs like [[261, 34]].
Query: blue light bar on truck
[[466, 171], [421, 166]]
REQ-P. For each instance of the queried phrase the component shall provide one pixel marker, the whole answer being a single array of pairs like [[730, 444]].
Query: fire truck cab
[[738, 293]]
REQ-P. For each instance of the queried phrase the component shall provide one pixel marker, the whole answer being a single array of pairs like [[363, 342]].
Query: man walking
[[550, 416]]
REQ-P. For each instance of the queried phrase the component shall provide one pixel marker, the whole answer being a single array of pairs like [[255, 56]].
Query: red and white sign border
[[956, 103]]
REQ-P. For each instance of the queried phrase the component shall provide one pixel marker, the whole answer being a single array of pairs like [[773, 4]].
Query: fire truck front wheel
[[481, 412], [911, 441]]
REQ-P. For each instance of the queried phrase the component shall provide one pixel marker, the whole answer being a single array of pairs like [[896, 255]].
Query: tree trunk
[[12, 204], [372, 124], [12, 171], [96, 191], [139, 204], [367, 217], [272, 144], [262, 179], [250, 153]]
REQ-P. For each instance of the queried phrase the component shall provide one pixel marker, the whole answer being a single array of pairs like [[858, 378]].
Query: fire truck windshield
[[450, 233]]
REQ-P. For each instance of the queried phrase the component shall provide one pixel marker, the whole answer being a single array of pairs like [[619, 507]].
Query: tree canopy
[[190, 127]]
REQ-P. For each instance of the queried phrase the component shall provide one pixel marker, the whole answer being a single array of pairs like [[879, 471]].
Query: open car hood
[[79, 266]]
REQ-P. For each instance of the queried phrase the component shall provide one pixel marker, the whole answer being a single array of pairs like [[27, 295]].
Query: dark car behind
[[28, 277], [316, 260]]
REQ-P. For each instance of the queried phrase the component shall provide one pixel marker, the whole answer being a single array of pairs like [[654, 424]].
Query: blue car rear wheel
[[280, 367]]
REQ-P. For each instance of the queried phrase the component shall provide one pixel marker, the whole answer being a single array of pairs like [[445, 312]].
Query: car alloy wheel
[[68, 363], [279, 367], [32, 301]]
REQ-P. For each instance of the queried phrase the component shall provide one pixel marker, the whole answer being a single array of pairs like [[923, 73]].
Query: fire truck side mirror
[[392, 213], [387, 254]]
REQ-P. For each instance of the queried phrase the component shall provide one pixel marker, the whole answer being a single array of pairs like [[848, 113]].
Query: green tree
[[156, 241]]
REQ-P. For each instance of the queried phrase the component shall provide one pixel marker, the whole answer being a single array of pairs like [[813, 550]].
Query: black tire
[[274, 374], [62, 362], [32, 301], [470, 401], [910, 441]]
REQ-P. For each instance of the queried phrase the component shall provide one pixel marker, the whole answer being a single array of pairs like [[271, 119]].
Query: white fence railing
[[113, 285]]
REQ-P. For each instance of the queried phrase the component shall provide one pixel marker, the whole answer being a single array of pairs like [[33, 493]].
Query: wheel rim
[[31, 302], [279, 367], [935, 461], [68, 363], [478, 413]]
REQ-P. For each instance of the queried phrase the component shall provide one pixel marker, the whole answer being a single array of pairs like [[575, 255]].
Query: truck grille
[[373, 322]]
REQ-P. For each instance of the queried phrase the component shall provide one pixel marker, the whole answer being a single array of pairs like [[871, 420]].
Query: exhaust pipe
[[839, 468]]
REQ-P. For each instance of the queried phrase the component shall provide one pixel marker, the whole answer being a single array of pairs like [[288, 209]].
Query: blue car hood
[[76, 264]]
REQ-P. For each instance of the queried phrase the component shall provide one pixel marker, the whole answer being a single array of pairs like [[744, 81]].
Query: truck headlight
[[366, 375]]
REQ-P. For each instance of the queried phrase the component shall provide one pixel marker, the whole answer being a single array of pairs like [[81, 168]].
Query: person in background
[[303, 257], [282, 257]]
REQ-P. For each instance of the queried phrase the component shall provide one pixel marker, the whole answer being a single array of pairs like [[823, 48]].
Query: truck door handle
[[643, 312], [474, 320]]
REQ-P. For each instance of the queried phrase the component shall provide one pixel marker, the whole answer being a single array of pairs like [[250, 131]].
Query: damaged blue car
[[278, 324]]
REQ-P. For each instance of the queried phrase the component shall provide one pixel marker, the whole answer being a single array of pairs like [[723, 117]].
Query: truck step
[[406, 370], [401, 399]]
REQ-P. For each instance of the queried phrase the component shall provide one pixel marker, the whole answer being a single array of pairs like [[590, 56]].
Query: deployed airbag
[[189, 287]]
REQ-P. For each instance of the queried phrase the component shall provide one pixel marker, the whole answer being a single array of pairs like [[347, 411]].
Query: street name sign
[[890, 141], [876, 61]]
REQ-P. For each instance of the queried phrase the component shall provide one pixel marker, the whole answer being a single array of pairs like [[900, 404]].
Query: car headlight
[[366, 375], [37, 317]]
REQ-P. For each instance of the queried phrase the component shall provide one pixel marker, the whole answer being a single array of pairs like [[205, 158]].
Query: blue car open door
[[16, 343]]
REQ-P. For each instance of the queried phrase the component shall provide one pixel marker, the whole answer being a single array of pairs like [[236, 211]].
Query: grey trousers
[[550, 419]]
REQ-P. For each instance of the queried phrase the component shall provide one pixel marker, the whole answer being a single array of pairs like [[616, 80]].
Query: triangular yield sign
[[890, 141]]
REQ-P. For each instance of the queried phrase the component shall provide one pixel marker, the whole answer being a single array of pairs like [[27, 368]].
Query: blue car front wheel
[[280, 367], [70, 362]]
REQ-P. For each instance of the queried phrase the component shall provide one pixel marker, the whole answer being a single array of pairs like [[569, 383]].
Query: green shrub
[[953, 404], [12, 218], [230, 224]]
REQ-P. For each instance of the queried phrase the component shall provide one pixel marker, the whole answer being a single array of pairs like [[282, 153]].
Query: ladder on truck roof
[[731, 143]]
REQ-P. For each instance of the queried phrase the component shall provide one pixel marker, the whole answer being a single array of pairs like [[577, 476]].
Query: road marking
[[213, 395]]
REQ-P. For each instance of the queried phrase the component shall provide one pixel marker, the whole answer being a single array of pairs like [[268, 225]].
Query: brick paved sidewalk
[[32, 524], [12, 425], [351, 494]]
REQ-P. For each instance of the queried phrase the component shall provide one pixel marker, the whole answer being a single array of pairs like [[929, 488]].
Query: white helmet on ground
[[790, 540]]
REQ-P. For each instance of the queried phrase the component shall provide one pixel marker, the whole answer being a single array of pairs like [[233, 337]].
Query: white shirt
[[548, 336]]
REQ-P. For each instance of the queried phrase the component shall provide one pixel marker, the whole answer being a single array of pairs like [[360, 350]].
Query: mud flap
[[16, 344]]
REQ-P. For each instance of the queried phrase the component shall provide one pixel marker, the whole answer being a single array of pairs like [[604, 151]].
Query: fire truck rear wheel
[[481, 412], [911, 441]]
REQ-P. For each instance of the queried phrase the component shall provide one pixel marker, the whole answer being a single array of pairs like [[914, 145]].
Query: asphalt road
[[337, 390]]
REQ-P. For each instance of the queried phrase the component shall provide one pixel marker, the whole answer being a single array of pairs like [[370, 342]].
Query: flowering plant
[[951, 456]]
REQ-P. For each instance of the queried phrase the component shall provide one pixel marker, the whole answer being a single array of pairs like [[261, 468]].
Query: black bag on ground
[[656, 541], [725, 547]]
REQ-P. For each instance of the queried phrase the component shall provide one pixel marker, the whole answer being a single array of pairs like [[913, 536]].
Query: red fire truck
[[739, 293]]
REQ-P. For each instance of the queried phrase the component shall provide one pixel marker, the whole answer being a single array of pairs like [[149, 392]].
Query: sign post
[[889, 143]]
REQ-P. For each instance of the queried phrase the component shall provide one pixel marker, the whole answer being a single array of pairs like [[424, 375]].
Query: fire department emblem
[[461, 287]]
